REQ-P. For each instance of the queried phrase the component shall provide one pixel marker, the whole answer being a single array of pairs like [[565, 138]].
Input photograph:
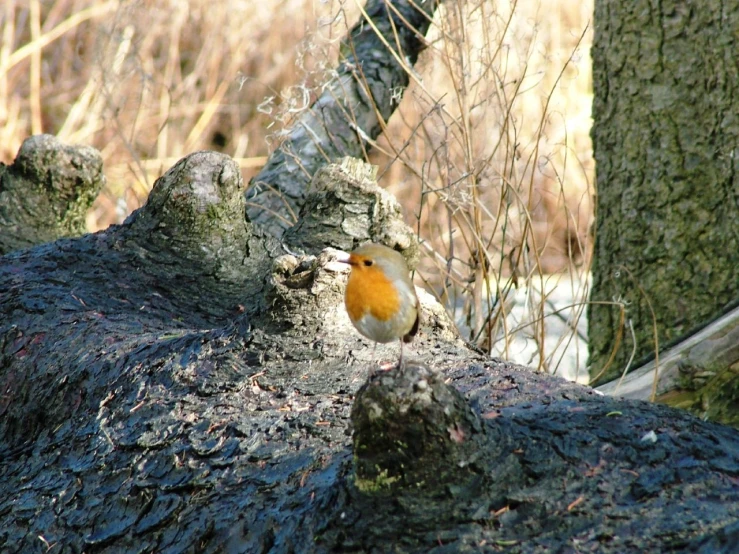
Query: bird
[[380, 297]]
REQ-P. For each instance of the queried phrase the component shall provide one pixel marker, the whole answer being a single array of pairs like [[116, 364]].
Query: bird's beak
[[337, 260], [342, 256]]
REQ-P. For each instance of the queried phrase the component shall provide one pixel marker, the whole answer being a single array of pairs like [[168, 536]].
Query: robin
[[380, 297]]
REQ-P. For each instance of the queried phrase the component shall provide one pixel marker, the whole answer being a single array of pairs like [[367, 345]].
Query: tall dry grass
[[147, 82], [489, 151]]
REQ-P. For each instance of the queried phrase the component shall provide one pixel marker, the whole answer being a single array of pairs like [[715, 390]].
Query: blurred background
[[489, 152]]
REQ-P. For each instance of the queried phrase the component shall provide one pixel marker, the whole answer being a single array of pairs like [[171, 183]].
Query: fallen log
[[189, 381], [184, 381], [696, 374]]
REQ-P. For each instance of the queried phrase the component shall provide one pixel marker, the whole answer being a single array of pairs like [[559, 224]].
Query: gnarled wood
[[184, 382], [46, 192]]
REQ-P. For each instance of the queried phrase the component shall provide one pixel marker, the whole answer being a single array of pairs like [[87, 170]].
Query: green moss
[[715, 399], [381, 482]]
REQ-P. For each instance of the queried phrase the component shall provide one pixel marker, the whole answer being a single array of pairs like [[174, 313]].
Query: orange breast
[[369, 291]]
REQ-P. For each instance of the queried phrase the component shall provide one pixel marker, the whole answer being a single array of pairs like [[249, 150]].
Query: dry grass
[[496, 168], [489, 152], [148, 82]]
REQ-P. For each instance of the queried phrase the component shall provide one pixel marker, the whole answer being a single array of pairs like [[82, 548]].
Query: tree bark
[[183, 382], [46, 192], [352, 108], [665, 133]]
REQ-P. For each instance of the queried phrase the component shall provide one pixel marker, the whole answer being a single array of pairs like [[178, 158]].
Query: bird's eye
[[368, 262]]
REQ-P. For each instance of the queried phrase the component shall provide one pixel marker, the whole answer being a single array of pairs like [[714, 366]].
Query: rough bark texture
[[180, 383], [323, 225], [353, 106], [665, 132], [46, 192]]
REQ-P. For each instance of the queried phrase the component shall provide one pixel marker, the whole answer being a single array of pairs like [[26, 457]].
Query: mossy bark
[[665, 109], [46, 192]]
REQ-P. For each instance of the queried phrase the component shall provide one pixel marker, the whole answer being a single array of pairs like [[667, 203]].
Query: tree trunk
[[354, 106], [665, 136]]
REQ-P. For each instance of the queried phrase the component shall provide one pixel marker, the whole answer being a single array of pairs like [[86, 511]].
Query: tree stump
[[46, 192]]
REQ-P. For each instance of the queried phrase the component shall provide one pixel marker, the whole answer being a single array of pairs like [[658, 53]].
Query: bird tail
[[408, 337]]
